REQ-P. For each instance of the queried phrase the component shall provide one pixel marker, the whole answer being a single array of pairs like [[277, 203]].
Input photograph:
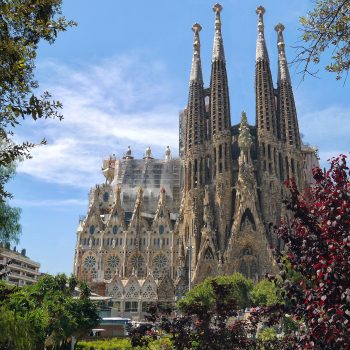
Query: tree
[[318, 250], [23, 24], [46, 314], [203, 293], [265, 293], [10, 227], [326, 28]]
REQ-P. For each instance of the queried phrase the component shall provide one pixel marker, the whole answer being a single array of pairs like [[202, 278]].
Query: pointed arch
[[208, 254], [132, 289], [247, 217]]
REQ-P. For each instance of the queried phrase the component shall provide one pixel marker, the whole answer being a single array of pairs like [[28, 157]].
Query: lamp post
[[189, 248]]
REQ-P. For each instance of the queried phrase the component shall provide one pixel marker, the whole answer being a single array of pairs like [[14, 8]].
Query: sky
[[122, 75]]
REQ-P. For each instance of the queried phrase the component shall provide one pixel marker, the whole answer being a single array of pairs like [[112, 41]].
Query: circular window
[[115, 229], [161, 229], [105, 197], [90, 262], [92, 229], [160, 261], [113, 261]]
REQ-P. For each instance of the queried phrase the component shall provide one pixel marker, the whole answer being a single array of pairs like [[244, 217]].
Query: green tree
[[203, 293], [46, 314], [326, 28], [10, 228], [265, 293], [23, 24]]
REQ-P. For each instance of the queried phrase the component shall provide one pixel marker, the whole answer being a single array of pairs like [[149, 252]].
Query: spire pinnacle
[[282, 60], [260, 12], [244, 138], [261, 51], [218, 47], [196, 70], [279, 28]]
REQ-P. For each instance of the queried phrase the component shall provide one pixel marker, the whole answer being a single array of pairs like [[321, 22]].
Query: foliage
[[204, 295], [211, 323], [265, 293], [125, 344], [10, 228], [318, 245], [327, 27], [46, 314], [268, 333], [23, 24]]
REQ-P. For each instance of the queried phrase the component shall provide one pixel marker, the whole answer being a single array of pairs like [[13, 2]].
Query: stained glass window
[[89, 262]]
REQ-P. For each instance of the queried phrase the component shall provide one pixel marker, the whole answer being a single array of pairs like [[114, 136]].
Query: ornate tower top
[[218, 47], [279, 28], [245, 138], [196, 70], [283, 71], [261, 52]]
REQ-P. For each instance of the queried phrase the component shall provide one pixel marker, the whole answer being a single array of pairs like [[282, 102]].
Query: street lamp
[[189, 248]]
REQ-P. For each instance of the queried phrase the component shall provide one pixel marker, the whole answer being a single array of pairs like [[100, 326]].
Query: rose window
[[113, 261], [89, 262], [160, 263]]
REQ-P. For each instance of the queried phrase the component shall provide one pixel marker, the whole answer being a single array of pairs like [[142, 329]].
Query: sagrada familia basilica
[[158, 226]]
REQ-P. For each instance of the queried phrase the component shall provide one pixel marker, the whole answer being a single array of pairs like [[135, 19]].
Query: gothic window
[[243, 269], [105, 197], [89, 262], [161, 229], [115, 229], [91, 229], [133, 291], [115, 291], [208, 255], [160, 265], [149, 292]]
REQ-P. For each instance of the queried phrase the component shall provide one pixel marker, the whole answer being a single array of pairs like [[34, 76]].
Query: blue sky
[[122, 76]]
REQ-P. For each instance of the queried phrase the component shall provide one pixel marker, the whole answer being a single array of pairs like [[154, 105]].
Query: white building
[[21, 270]]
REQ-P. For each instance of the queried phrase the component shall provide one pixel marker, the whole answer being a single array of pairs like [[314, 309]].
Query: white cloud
[[328, 129], [49, 202], [107, 106]]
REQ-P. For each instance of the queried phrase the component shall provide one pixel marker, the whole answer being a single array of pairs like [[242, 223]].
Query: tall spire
[[196, 70], [218, 47], [195, 114], [220, 133], [287, 115], [283, 71], [265, 97], [261, 51]]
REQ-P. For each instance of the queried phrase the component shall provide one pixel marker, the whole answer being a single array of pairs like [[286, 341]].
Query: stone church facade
[[156, 226]]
